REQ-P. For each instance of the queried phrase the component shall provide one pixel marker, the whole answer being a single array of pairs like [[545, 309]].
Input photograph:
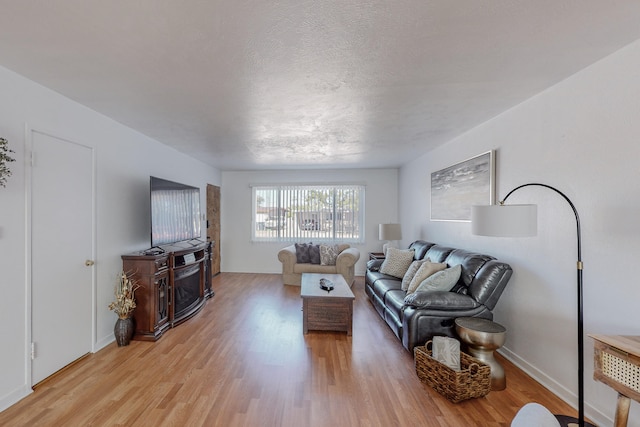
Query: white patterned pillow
[[411, 271], [328, 254], [425, 270], [443, 280], [397, 262]]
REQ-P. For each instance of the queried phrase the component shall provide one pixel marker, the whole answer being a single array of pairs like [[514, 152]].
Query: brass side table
[[483, 337]]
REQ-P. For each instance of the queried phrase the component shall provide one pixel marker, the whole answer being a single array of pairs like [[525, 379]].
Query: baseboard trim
[[14, 397]]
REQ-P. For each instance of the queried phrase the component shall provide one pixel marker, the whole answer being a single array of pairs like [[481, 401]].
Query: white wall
[[582, 137], [125, 160], [239, 254]]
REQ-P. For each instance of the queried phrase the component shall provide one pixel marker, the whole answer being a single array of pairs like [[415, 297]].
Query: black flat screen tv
[[175, 212]]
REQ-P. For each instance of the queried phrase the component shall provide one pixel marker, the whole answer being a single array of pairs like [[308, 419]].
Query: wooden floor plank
[[244, 361]]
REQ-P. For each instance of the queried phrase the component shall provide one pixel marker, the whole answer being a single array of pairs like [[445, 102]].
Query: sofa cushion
[[426, 269], [302, 253], [471, 262], [411, 271], [439, 253], [372, 275], [489, 283], [384, 285], [397, 262], [314, 254], [421, 247], [328, 254], [441, 300], [443, 280], [394, 301], [314, 268]]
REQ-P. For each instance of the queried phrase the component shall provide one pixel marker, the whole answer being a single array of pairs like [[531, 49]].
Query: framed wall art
[[456, 188]]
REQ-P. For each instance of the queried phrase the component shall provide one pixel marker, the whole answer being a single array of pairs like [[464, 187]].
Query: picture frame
[[456, 188]]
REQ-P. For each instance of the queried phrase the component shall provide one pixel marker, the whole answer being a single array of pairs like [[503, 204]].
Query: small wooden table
[[326, 311], [617, 364], [376, 255]]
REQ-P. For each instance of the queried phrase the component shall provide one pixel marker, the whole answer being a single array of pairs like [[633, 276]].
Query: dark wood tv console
[[175, 284]]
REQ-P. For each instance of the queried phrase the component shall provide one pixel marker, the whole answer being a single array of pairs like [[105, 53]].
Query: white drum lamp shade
[[504, 220], [390, 233]]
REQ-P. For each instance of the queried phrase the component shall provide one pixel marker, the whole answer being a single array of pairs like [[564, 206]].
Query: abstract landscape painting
[[456, 188]]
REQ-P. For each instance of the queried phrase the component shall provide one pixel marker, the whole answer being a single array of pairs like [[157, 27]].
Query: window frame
[[286, 227]]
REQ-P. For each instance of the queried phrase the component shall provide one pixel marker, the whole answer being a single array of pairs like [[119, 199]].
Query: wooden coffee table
[[326, 311]]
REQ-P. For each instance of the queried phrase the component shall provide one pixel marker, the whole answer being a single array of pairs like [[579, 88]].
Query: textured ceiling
[[257, 84]]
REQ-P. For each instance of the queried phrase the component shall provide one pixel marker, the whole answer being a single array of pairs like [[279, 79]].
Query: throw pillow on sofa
[[328, 254], [397, 262], [443, 280], [314, 253], [302, 253], [411, 271], [425, 270]]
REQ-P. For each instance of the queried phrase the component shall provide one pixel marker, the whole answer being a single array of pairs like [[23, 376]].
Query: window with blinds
[[302, 213]]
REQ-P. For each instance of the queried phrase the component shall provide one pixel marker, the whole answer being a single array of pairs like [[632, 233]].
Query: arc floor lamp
[[520, 221]]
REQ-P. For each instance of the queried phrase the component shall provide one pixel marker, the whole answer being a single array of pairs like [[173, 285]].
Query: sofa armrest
[[440, 300], [287, 257], [348, 257], [374, 264], [345, 264]]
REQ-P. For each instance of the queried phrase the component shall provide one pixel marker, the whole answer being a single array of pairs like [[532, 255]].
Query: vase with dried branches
[[123, 306]]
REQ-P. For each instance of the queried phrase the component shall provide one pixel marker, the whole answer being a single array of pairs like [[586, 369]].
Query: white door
[[61, 248]]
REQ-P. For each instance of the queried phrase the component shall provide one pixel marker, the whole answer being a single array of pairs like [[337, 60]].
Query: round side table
[[483, 337]]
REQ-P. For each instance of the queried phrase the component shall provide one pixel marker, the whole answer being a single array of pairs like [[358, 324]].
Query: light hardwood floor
[[243, 361]]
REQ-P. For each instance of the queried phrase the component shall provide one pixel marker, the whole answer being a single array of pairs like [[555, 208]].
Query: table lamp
[[390, 233]]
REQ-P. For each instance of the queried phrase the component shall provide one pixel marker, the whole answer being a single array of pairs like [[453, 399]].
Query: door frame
[[29, 130], [213, 195]]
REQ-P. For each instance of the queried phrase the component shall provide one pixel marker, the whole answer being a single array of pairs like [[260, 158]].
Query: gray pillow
[[411, 271], [443, 280], [302, 253], [426, 270], [314, 253]]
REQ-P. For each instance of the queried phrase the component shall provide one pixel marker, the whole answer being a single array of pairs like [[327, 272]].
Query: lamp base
[[566, 421], [388, 245]]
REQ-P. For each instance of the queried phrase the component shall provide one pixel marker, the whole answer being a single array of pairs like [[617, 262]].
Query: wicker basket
[[472, 380]]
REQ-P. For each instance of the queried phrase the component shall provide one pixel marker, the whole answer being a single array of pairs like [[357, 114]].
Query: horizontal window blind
[[302, 213]]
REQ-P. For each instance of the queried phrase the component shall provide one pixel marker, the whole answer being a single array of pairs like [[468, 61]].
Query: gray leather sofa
[[417, 317]]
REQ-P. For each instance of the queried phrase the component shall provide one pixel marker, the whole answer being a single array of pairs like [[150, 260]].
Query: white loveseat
[[292, 270]]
